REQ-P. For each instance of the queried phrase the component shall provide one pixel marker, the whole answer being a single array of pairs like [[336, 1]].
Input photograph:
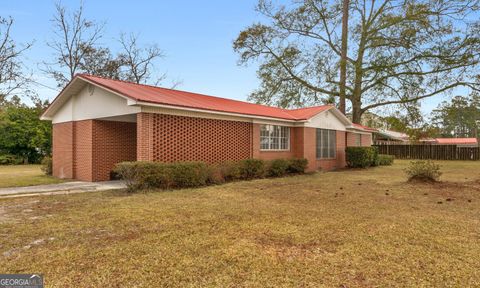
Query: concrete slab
[[61, 188]]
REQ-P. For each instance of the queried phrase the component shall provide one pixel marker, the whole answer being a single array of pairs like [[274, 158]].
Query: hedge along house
[[98, 122]]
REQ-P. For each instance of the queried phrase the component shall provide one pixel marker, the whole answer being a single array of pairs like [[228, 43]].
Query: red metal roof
[[456, 140], [364, 127], [158, 95]]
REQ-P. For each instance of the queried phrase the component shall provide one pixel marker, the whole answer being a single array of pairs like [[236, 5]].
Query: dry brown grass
[[356, 228]]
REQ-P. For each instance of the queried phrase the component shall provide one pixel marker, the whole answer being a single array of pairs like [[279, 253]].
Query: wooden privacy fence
[[430, 151]]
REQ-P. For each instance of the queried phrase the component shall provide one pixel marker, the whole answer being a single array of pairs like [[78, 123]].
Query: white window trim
[[279, 138]]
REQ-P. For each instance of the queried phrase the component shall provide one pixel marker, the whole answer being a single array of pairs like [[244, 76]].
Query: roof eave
[[252, 116]]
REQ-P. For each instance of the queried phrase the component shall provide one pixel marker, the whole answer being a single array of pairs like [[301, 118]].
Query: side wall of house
[[303, 145], [62, 150], [172, 138], [339, 161], [87, 150], [83, 150], [365, 139], [113, 142], [270, 155]]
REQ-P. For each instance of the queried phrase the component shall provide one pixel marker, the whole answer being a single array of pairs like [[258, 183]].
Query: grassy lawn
[[24, 175], [351, 228]]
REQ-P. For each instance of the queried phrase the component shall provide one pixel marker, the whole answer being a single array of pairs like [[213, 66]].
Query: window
[[358, 139], [326, 143], [274, 137]]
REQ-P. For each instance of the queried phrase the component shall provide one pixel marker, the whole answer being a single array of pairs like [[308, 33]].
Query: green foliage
[[215, 174], [252, 169], [23, 134], [385, 160], [395, 57], [278, 167], [47, 166], [150, 175], [144, 175], [297, 165], [230, 170], [361, 157], [423, 170], [459, 117], [189, 174], [9, 159]]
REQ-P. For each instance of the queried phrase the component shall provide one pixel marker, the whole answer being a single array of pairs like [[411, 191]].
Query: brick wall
[[305, 146], [113, 142], [366, 140], [62, 156], [87, 150], [82, 150], [169, 138], [270, 155], [352, 139], [144, 136], [339, 161]]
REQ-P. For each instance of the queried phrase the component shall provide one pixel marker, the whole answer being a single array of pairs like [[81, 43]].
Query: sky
[[196, 37]]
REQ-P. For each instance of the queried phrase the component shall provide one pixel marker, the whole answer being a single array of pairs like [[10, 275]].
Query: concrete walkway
[[61, 188]]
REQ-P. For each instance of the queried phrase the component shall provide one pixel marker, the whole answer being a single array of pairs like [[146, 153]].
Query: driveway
[[61, 188]]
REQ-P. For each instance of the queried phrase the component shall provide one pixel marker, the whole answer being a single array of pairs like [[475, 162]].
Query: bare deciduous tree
[[74, 36], [137, 62], [11, 74]]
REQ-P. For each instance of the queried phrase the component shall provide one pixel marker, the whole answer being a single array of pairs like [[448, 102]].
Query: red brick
[[62, 150], [87, 150], [113, 142], [168, 138]]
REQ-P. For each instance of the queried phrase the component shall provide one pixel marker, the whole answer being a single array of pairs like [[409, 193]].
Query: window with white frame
[[326, 144], [274, 137]]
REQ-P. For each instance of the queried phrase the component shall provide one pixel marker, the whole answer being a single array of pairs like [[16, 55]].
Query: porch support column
[[144, 136]]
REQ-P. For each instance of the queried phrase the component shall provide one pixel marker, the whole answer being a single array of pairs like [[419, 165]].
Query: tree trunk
[[357, 111], [343, 60]]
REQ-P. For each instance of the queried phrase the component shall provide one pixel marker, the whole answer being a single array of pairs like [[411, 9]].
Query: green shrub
[[9, 159], [147, 175], [361, 157], [297, 165], [215, 175], [47, 165], [385, 160], [376, 157], [252, 168], [278, 167], [230, 170], [154, 175], [423, 170], [144, 175], [189, 174]]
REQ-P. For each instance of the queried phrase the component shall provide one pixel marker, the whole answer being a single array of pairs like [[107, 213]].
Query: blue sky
[[196, 36]]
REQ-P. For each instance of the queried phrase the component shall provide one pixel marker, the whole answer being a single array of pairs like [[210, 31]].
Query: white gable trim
[[330, 119], [92, 102]]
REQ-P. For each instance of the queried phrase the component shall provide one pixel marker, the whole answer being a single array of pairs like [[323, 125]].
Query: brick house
[[99, 122]]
